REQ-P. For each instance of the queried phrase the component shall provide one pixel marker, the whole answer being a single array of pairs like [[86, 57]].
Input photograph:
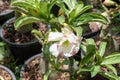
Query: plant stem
[[39, 39]]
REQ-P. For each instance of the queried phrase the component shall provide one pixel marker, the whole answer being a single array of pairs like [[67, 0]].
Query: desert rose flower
[[66, 43]]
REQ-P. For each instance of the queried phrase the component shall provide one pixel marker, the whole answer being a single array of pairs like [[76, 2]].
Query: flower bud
[[109, 3]]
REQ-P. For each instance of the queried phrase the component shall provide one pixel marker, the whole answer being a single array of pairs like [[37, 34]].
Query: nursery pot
[[3, 76], [4, 16], [23, 68], [31, 66], [21, 51], [91, 34]]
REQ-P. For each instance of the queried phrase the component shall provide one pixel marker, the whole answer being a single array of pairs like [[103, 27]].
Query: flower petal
[[54, 49], [55, 36], [66, 47]]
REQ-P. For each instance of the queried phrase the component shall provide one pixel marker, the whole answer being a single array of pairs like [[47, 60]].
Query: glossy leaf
[[90, 17], [78, 31], [44, 9], [34, 31], [90, 54], [95, 70], [70, 4], [110, 76], [61, 19], [25, 20], [78, 11], [111, 68], [102, 48], [23, 4], [86, 69], [90, 42], [112, 59]]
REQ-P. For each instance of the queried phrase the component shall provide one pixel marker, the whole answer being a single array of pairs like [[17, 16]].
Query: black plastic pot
[[91, 34], [6, 15], [21, 51], [9, 71]]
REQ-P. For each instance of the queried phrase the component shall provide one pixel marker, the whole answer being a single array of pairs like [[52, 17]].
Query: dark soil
[[4, 5], [4, 75], [32, 72], [18, 37]]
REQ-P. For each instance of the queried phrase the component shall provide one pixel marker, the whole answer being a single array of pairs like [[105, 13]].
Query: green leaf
[[24, 4], [98, 58], [112, 68], [82, 10], [70, 4], [2, 44], [34, 31], [95, 70], [110, 76], [90, 42], [44, 10], [21, 10], [83, 47], [52, 3], [46, 75], [102, 48], [79, 10], [89, 55], [90, 17], [78, 31], [66, 62], [25, 20], [86, 69], [61, 19], [62, 6], [112, 59]]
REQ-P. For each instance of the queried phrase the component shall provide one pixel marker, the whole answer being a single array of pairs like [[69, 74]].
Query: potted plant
[[5, 11], [66, 29], [94, 65], [38, 14], [18, 43]]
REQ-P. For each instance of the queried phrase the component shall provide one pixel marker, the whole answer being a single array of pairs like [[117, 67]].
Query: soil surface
[[4, 75], [18, 37], [4, 5]]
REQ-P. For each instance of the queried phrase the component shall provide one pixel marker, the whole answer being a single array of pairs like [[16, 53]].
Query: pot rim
[[12, 43], [8, 11], [9, 71], [27, 62], [91, 34]]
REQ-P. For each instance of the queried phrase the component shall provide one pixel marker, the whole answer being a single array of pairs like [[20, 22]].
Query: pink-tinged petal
[[54, 50], [55, 36], [72, 38]]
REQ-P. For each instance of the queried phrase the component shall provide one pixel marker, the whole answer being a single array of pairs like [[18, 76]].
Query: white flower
[[55, 36], [67, 45], [54, 49]]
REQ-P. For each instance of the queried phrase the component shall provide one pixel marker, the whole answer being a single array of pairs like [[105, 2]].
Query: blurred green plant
[[95, 60], [3, 51]]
